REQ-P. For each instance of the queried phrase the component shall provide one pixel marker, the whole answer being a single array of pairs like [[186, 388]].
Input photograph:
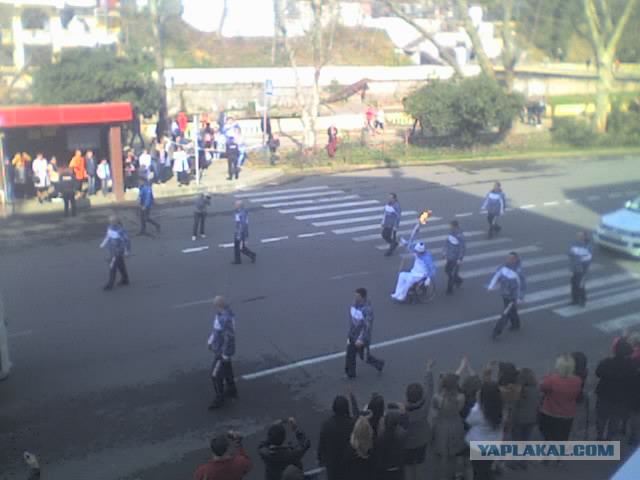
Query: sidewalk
[[214, 181]]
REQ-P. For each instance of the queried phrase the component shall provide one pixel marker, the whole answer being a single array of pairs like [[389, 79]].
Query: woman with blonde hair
[[561, 391], [360, 457]]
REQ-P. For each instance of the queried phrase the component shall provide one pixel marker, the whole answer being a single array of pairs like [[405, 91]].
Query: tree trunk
[[276, 31], [508, 59], [604, 88], [481, 54]]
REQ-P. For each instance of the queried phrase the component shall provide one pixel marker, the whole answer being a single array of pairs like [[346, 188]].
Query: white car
[[620, 230]]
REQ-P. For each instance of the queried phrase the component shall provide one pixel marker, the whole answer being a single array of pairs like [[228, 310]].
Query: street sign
[[268, 88]]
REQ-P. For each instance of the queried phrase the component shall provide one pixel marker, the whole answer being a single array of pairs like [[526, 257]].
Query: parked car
[[620, 230], [5, 361]]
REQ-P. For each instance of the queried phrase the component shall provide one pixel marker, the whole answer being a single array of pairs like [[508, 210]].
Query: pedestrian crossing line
[[339, 213], [560, 273], [619, 324], [550, 204], [330, 207], [346, 221], [274, 239], [465, 214], [312, 201], [599, 304], [297, 195], [195, 249], [481, 272], [616, 195], [225, 245], [565, 289], [527, 207], [593, 197], [377, 226], [486, 255], [278, 192], [376, 236], [309, 235], [440, 238]]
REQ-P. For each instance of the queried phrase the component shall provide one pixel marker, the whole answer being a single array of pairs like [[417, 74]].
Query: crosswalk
[[333, 211]]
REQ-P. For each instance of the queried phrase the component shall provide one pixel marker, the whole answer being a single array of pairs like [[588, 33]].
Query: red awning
[[60, 115]]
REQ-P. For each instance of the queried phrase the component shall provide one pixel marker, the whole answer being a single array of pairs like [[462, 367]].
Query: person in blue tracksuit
[[495, 204], [241, 235], [580, 256], [146, 201], [454, 251], [511, 281], [359, 336], [391, 223], [423, 268], [119, 247], [222, 342]]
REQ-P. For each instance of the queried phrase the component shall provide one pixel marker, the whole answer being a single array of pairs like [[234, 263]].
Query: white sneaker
[[202, 235], [193, 238]]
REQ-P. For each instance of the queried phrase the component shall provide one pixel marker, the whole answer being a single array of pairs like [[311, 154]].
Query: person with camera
[[229, 461], [277, 454]]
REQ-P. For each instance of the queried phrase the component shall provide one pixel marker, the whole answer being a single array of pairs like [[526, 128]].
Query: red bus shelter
[[58, 130]]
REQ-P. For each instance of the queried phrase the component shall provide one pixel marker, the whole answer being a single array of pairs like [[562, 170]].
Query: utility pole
[[157, 22]]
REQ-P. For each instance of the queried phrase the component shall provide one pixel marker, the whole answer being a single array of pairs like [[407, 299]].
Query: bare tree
[[157, 24], [444, 52], [508, 50], [604, 35], [321, 53], [277, 22]]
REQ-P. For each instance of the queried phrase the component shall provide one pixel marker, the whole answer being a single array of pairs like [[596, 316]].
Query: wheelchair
[[420, 292]]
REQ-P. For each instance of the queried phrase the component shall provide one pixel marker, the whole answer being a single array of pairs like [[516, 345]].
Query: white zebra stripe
[[298, 195], [600, 303], [339, 213], [565, 289], [310, 202], [278, 192], [346, 221], [619, 324], [527, 263], [329, 207], [440, 238], [376, 236]]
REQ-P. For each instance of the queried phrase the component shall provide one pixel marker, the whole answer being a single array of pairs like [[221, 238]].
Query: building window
[[35, 19], [38, 55]]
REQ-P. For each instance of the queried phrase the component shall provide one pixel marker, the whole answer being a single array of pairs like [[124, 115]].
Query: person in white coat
[[104, 174], [40, 168], [423, 268]]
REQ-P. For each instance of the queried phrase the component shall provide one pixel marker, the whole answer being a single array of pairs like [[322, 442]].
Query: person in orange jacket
[[77, 165]]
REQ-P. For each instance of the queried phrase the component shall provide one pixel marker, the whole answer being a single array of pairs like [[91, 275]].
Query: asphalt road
[[115, 385]]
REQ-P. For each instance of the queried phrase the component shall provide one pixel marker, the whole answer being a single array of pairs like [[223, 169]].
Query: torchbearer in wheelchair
[[423, 270]]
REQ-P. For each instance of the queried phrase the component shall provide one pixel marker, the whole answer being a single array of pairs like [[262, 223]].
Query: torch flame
[[424, 216]]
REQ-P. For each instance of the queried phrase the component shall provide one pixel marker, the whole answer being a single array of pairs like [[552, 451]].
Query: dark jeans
[[117, 264], [91, 184], [364, 354], [389, 236], [232, 166], [144, 218], [69, 201], [222, 377], [578, 291], [522, 432], [239, 246], [451, 269], [509, 314], [482, 469], [198, 221], [555, 429], [492, 220], [610, 417]]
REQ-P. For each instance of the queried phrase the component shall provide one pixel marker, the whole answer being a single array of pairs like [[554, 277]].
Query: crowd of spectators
[[439, 418]]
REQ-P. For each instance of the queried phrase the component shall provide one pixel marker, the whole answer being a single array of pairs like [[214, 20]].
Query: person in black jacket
[[278, 455], [68, 191], [390, 445], [233, 154], [334, 439], [612, 404]]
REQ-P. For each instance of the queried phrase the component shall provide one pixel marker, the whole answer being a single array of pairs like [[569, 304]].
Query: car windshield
[[634, 205]]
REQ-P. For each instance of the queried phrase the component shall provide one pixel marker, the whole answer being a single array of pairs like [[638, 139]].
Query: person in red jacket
[[182, 123], [225, 464]]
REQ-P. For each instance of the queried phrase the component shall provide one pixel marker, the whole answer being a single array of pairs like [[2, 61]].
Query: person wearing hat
[[225, 463], [423, 268], [119, 246]]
